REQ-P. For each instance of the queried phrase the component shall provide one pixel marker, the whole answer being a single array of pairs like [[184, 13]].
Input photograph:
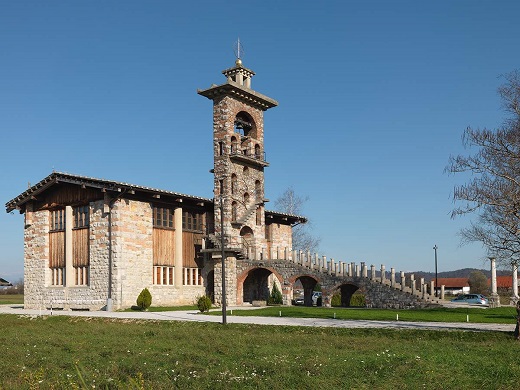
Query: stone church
[[92, 244]]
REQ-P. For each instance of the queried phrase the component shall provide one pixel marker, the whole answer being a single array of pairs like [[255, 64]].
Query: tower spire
[[239, 52]]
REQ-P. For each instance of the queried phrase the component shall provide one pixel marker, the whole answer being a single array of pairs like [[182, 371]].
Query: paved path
[[287, 321]]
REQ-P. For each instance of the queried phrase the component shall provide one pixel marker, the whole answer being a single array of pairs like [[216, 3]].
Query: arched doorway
[[257, 286], [307, 285]]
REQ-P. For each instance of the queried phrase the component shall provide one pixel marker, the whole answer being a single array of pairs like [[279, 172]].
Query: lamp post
[[435, 249], [223, 254]]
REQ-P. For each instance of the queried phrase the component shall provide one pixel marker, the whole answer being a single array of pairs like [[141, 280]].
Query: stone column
[[403, 281], [69, 267], [432, 288], [364, 270], [514, 296], [383, 274], [349, 270], [353, 269], [357, 270], [372, 272], [412, 282], [442, 291], [392, 277], [421, 282], [494, 300], [177, 275], [323, 263]]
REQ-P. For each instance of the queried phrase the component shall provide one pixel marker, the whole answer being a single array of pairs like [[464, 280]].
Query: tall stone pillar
[[383, 274], [372, 272], [442, 291], [403, 281], [392, 277], [69, 266], [364, 270], [432, 288], [494, 300], [177, 273]]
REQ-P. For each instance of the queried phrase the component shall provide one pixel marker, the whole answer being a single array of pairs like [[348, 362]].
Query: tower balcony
[[248, 155]]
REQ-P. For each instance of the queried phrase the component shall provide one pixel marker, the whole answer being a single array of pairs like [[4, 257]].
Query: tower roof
[[238, 85]]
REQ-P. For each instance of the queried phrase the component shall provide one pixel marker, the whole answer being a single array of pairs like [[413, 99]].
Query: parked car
[[299, 301], [475, 299], [315, 296]]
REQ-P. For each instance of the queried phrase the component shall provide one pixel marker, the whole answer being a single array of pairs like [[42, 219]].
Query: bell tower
[[239, 160]]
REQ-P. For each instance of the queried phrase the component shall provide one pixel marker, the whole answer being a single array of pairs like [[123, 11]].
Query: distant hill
[[460, 273]]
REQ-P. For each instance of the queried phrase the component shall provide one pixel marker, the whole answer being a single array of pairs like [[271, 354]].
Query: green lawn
[[11, 299], [501, 315], [72, 352]]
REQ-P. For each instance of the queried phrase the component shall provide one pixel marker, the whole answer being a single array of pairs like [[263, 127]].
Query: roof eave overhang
[[241, 93]]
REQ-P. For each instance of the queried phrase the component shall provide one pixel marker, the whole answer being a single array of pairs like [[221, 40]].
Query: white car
[[315, 296]]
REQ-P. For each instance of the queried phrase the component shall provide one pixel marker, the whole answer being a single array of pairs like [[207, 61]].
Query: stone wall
[[36, 254]]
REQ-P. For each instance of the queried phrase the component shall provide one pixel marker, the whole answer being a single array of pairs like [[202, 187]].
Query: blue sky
[[374, 96]]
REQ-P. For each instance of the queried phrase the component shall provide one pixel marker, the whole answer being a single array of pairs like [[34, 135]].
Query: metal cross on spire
[[238, 49]]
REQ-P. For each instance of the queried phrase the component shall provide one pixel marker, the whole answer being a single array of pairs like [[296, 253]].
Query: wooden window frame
[[163, 217]]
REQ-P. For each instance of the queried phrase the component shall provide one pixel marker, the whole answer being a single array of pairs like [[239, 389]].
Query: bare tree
[[493, 192], [291, 203]]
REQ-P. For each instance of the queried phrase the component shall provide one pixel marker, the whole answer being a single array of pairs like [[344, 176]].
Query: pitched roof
[[117, 186]]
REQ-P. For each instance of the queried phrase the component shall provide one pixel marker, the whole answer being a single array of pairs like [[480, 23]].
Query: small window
[[246, 171], [162, 217], [192, 220], [81, 216], [57, 221]]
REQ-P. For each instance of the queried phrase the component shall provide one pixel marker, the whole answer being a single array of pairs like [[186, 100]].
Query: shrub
[[336, 300], [317, 287], [204, 303], [358, 299], [276, 296], [144, 300]]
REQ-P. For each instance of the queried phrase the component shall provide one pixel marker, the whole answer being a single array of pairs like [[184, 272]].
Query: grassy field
[[72, 352], [10, 299], [501, 315]]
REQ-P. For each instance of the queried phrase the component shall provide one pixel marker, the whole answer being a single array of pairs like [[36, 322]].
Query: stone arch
[[308, 282], [346, 290], [245, 125], [253, 284]]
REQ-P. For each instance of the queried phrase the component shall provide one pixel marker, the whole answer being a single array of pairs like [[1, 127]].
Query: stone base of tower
[[231, 280]]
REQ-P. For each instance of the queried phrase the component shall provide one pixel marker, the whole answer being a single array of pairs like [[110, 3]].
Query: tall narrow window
[[220, 148], [246, 200], [233, 184], [163, 238], [257, 152], [80, 245], [57, 247], [234, 211], [221, 186]]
